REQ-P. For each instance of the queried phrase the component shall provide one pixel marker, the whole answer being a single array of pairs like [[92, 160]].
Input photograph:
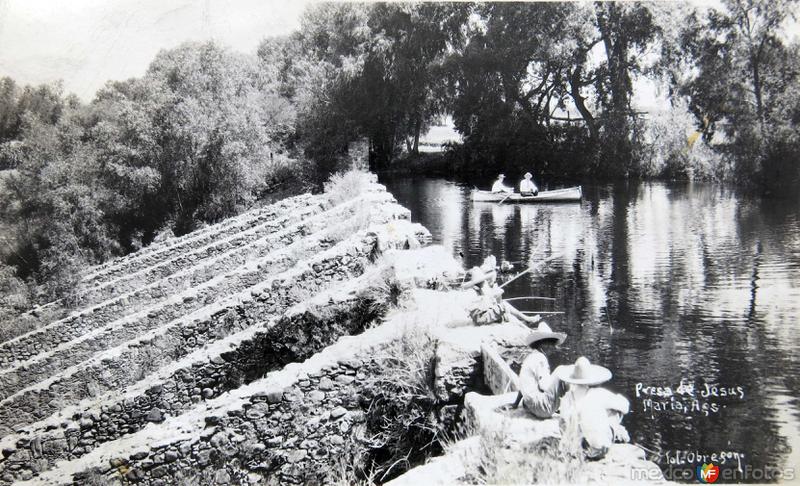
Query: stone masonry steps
[[43, 365], [198, 438], [118, 268], [204, 374], [148, 298], [114, 368], [241, 241], [173, 246]]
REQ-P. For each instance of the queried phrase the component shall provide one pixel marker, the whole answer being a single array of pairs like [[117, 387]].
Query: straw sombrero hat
[[528, 175], [544, 332], [583, 373]]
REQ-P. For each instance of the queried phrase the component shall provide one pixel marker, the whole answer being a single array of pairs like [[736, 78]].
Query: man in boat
[[591, 415], [498, 185], [527, 187], [489, 306], [540, 392]]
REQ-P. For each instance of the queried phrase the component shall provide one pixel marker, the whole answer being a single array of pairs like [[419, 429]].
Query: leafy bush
[[14, 298], [671, 147], [345, 186]]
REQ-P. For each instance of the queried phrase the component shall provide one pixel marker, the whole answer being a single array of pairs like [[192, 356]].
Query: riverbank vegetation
[[553, 88], [571, 90]]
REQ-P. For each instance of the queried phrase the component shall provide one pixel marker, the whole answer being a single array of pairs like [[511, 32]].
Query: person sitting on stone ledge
[[591, 415], [489, 306], [540, 392]]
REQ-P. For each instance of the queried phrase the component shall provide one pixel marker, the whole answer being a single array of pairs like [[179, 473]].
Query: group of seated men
[[590, 415]]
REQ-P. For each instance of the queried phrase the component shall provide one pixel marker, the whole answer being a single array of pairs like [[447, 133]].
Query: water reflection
[[660, 283]]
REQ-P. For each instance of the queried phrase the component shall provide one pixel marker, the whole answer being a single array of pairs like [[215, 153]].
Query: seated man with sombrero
[[540, 392], [591, 415]]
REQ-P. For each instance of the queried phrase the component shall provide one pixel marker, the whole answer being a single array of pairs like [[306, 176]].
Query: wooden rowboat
[[569, 194]]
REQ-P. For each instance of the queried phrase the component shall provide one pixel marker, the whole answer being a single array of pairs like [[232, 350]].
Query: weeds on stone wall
[[502, 461], [149, 357], [357, 222], [352, 468], [382, 293], [96, 478], [402, 419]]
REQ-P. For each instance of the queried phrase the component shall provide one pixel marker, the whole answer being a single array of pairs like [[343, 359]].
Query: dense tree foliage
[[744, 83], [549, 86], [356, 70], [194, 140]]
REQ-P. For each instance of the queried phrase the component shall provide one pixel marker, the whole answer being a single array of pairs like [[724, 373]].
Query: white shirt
[[499, 187], [527, 185], [593, 415]]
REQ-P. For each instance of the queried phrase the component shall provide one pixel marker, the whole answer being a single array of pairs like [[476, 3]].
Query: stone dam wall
[[161, 332], [248, 352]]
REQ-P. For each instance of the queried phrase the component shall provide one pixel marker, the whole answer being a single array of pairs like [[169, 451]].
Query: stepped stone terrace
[[247, 352]]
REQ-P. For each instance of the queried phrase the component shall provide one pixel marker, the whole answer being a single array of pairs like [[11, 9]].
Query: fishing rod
[[608, 317], [529, 269], [532, 297]]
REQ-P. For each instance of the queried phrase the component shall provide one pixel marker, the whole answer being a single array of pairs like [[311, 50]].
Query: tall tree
[[626, 30], [411, 40], [366, 70], [540, 62]]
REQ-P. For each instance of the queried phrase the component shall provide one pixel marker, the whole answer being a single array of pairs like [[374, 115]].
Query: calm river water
[[663, 284]]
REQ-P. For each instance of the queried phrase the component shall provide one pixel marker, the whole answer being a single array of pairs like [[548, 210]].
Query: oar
[[531, 298], [504, 199], [542, 312]]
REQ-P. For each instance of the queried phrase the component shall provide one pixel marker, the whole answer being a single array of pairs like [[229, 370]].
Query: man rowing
[[498, 185]]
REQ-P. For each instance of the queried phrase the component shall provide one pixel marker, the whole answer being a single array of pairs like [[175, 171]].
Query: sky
[[85, 43]]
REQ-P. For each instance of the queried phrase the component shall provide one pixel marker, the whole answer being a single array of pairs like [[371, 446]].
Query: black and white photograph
[[361, 243]]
